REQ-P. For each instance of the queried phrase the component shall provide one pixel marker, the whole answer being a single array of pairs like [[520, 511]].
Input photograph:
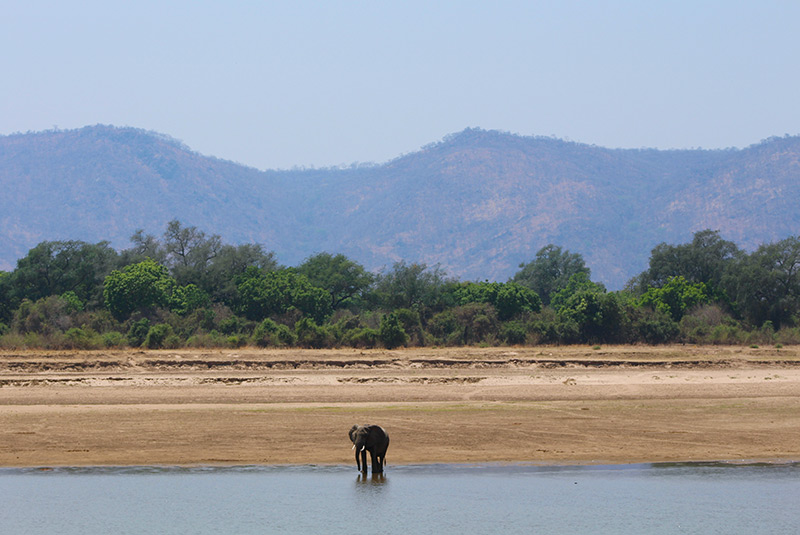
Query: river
[[442, 499]]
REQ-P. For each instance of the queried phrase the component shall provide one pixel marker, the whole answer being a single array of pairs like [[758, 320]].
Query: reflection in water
[[370, 482], [374, 479]]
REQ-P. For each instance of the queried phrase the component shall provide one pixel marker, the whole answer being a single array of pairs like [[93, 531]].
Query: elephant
[[372, 439]]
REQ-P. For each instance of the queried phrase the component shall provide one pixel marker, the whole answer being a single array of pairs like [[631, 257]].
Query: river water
[[441, 499]]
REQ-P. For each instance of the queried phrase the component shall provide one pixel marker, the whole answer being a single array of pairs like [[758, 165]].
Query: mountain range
[[478, 203]]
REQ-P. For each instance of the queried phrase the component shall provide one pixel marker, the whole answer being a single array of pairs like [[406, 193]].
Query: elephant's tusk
[[363, 448], [354, 446]]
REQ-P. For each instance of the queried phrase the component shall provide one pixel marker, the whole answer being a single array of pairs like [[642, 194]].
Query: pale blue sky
[[279, 84]]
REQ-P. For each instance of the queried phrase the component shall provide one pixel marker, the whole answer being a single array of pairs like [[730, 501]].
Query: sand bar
[[466, 405]]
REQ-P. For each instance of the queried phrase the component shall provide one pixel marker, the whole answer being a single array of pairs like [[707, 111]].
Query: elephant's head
[[358, 436]]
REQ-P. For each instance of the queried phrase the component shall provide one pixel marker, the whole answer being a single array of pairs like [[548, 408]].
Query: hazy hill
[[477, 202]]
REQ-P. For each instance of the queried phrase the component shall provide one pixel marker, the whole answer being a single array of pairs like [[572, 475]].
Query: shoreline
[[451, 467], [542, 406]]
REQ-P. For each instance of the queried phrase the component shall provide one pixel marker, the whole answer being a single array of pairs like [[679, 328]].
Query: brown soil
[[537, 405]]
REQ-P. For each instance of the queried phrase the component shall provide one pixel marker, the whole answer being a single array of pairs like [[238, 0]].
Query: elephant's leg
[[377, 465], [363, 465]]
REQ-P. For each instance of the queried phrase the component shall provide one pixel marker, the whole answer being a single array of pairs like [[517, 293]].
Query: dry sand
[[463, 405]]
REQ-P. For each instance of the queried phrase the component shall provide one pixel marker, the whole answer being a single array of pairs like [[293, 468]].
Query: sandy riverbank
[[540, 405]]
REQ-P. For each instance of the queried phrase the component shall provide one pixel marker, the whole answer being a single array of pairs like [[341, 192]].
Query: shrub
[[231, 325], [34, 340], [391, 333], [284, 336], [206, 340], [477, 321], [514, 332], [45, 316], [727, 335], [79, 338], [412, 325], [444, 326], [236, 340], [264, 333], [309, 334], [654, 326], [12, 341], [157, 336], [363, 337], [544, 326], [138, 332], [172, 341], [788, 335], [113, 339]]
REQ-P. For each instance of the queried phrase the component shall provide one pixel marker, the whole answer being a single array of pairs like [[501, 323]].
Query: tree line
[[189, 289]]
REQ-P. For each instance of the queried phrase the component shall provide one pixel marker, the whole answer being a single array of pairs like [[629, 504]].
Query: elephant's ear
[[352, 433]]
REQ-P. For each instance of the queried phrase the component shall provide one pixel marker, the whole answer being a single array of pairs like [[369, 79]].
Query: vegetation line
[[188, 289]]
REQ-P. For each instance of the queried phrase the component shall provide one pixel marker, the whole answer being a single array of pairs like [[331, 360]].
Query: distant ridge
[[477, 202]]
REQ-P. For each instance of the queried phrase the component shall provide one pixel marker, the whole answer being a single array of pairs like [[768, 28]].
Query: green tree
[[477, 322], [705, 259], [138, 287], [138, 332], [509, 299], [267, 293], [597, 314], [676, 297], [56, 267], [411, 286], [186, 299], [765, 285], [340, 276], [578, 283], [309, 334], [391, 333], [7, 303], [550, 271], [47, 315], [143, 246], [158, 336], [230, 262], [189, 252]]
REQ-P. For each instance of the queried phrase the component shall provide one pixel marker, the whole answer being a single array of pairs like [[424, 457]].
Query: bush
[[727, 335], [412, 325], [391, 333], [544, 326], [79, 338], [231, 325], [654, 326], [138, 332], [309, 334], [113, 339], [285, 337], [264, 335], [514, 332], [206, 340], [788, 335], [45, 316], [363, 337], [157, 336], [444, 327], [236, 340], [271, 334]]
